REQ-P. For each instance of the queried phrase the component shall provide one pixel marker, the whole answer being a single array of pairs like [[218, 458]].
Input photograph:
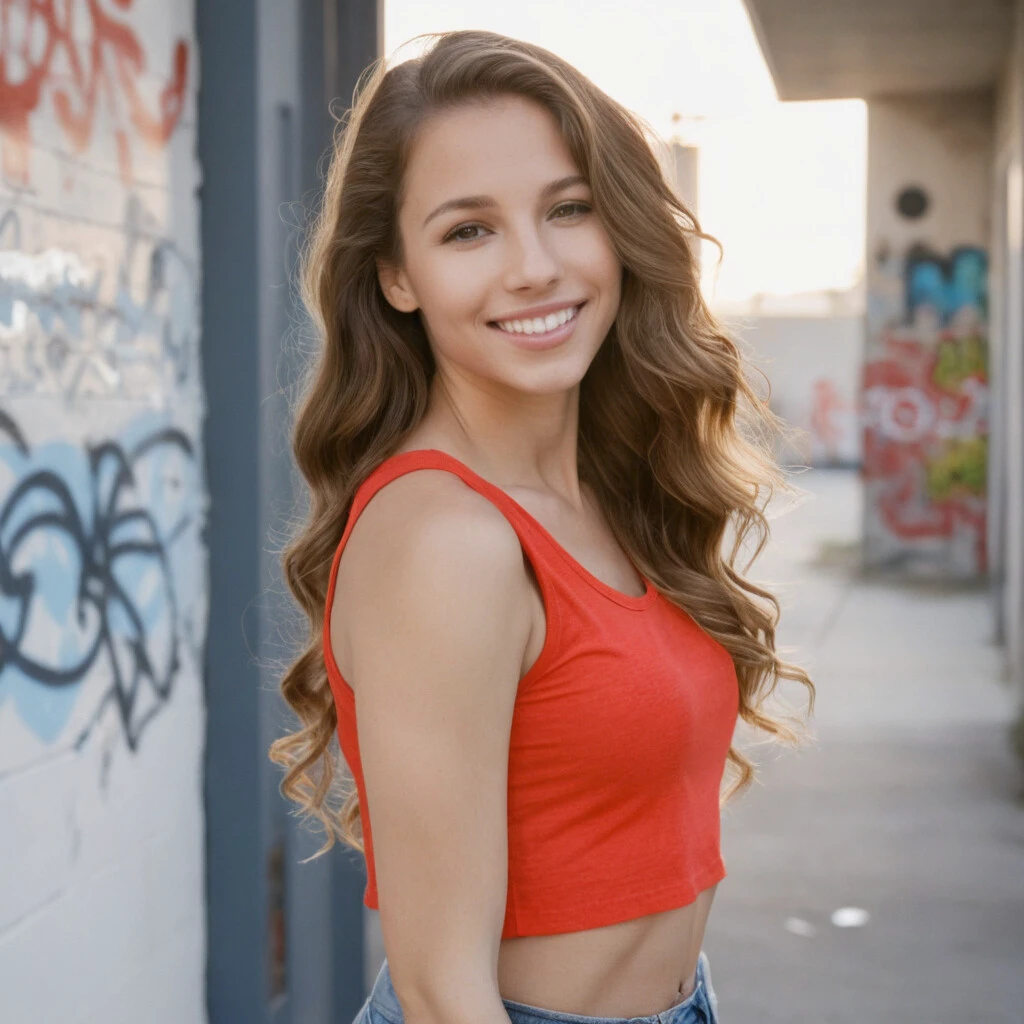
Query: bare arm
[[437, 641]]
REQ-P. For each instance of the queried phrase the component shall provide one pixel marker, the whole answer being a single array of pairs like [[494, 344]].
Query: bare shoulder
[[437, 619], [428, 544]]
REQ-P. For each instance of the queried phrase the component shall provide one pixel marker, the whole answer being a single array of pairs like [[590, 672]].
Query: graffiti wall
[[925, 382], [925, 403], [103, 587]]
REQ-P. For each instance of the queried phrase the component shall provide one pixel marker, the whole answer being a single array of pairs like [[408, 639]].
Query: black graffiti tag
[[142, 661]]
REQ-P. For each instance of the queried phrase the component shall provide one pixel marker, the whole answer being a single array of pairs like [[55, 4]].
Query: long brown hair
[[673, 439]]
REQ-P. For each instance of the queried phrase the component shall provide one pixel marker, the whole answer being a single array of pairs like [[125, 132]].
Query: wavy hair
[[673, 439]]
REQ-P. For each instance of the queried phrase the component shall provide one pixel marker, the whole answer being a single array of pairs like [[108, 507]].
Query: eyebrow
[[482, 202]]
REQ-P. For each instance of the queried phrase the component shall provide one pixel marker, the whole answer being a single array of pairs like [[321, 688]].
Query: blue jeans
[[699, 1007]]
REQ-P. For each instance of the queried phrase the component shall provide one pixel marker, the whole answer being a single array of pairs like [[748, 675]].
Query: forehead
[[506, 146]]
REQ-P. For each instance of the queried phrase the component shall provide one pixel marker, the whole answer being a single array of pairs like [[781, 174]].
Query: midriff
[[630, 969]]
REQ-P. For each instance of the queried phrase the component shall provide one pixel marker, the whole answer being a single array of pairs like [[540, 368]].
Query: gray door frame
[[284, 940]]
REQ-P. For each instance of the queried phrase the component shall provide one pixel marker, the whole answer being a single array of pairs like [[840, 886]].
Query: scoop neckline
[[644, 600]]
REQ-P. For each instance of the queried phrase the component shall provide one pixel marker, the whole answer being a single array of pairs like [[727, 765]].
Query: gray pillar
[[285, 941]]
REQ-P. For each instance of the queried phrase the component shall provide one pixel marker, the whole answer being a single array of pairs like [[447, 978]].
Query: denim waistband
[[699, 1007]]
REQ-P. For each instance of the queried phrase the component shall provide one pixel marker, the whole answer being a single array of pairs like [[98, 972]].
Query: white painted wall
[[103, 586], [685, 163], [943, 143], [813, 366]]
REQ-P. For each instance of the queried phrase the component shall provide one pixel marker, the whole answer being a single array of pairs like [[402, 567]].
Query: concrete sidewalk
[[907, 803]]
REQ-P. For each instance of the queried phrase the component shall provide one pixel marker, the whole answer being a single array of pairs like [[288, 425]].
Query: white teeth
[[539, 324]]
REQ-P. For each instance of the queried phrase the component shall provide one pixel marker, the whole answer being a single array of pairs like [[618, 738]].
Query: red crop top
[[618, 742]]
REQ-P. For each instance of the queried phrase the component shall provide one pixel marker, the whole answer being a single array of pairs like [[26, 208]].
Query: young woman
[[523, 454]]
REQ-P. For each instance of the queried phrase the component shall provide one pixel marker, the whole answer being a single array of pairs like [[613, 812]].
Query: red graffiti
[[828, 407], [33, 34], [925, 431]]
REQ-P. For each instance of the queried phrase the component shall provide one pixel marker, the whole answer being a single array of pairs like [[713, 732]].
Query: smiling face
[[513, 273]]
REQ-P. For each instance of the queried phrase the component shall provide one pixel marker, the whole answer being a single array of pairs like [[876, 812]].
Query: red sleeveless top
[[618, 742]]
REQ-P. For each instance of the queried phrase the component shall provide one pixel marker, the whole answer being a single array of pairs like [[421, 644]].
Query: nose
[[532, 262]]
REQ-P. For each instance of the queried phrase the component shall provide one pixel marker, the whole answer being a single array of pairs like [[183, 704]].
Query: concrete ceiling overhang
[[838, 49]]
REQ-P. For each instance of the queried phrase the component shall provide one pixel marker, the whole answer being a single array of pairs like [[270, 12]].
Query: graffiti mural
[[69, 329], [85, 60], [87, 545], [99, 335], [925, 409]]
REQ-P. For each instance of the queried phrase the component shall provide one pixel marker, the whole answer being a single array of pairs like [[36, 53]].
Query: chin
[[548, 380]]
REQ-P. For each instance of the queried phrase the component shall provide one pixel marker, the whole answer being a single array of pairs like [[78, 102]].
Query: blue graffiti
[[87, 583], [946, 284]]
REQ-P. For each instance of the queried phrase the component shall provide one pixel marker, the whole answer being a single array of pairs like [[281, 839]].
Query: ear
[[396, 288]]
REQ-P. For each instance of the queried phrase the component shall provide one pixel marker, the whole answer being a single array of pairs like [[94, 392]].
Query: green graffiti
[[960, 469], [957, 359]]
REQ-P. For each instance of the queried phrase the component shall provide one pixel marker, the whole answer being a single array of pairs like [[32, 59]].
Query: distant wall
[[925, 387], [103, 588], [685, 163], [813, 365]]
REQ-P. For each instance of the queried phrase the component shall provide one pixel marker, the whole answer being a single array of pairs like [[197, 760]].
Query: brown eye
[[571, 209], [456, 234]]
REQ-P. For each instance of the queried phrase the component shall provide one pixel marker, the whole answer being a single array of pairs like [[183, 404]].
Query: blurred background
[[862, 163]]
